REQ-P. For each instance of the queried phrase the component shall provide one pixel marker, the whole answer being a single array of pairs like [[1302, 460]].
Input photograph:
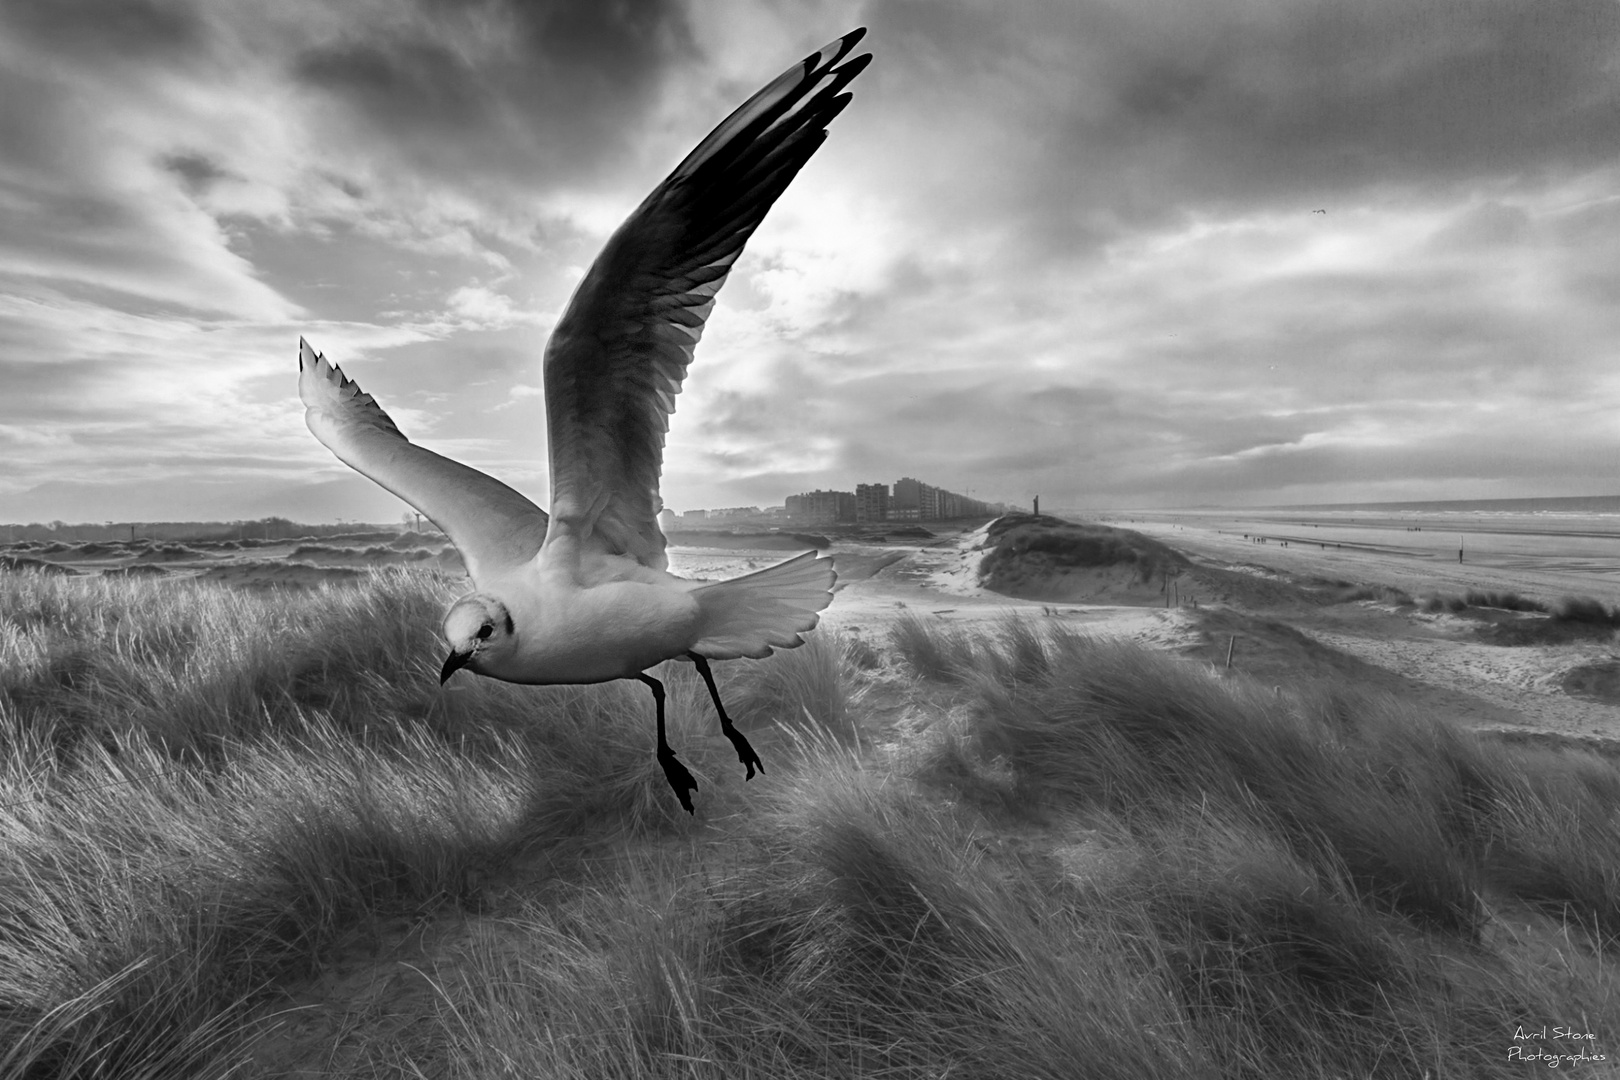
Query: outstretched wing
[[619, 354], [493, 527]]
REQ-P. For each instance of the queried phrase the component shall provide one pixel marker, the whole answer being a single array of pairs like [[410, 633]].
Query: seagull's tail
[[751, 615]]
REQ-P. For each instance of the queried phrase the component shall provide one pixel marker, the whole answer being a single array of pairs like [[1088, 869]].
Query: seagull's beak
[[453, 662]]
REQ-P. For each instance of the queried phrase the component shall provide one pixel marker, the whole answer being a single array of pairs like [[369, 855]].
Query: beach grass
[[1078, 858]]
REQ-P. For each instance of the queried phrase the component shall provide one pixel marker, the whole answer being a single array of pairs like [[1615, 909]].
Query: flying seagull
[[585, 596]]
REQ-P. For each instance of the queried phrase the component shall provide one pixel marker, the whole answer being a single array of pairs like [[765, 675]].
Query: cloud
[[1094, 118], [539, 95], [1062, 246], [103, 30]]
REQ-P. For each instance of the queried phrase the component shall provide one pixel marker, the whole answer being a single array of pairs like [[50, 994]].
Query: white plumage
[[585, 596]]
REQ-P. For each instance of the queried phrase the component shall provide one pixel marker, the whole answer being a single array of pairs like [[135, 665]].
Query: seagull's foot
[[745, 752], [678, 778]]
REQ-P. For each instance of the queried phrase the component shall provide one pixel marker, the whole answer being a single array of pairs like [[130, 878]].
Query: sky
[[1117, 253]]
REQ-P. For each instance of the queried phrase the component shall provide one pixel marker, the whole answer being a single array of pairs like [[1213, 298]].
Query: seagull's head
[[478, 628]]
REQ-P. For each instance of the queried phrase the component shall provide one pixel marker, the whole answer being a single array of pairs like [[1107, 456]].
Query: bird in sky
[[584, 595]]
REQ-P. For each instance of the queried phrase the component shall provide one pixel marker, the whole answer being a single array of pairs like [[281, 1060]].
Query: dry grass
[[1085, 859]]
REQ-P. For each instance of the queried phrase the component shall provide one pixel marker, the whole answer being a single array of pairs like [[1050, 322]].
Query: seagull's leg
[[745, 753], [674, 771]]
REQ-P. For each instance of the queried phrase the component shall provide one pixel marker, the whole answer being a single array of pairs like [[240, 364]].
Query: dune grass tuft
[[933, 649], [808, 684], [1506, 601], [1345, 593], [1585, 609]]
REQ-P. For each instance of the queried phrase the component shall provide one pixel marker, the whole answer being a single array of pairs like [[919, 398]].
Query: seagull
[[584, 595]]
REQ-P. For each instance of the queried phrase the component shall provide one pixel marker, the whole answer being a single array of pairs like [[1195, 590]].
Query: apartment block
[[871, 502], [821, 507]]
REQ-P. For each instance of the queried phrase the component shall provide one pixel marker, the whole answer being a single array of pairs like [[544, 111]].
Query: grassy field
[[246, 834]]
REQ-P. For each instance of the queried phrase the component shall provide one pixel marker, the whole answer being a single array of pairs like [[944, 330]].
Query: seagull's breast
[[612, 630]]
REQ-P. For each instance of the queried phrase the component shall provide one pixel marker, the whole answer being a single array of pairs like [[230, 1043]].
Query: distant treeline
[[271, 528]]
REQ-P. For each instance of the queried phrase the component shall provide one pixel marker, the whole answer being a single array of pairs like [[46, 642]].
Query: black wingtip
[[815, 65], [853, 68]]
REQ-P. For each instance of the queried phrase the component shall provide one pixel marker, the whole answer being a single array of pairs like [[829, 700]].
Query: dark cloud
[[98, 239], [1111, 116], [344, 272], [108, 29], [197, 171], [560, 91], [420, 87]]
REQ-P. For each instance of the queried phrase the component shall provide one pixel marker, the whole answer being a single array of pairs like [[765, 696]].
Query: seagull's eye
[[485, 630]]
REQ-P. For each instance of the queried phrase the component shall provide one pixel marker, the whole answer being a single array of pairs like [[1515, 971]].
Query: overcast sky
[[1066, 247]]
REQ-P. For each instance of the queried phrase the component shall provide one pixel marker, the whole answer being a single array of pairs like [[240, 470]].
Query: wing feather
[[493, 527], [617, 359]]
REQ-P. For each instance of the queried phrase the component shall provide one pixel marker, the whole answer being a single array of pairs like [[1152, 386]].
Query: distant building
[[914, 500], [821, 507], [910, 500], [871, 502], [694, 517]]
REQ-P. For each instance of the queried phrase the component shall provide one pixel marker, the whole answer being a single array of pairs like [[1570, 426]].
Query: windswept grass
[[1569, 619], [1085, 860], [1434, 603], [810, 684], [1415, 814], [1584, 609], [932, 648], [1506, 601], [145, 907], [851, 928], [1345, 593], [1303, 844]]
